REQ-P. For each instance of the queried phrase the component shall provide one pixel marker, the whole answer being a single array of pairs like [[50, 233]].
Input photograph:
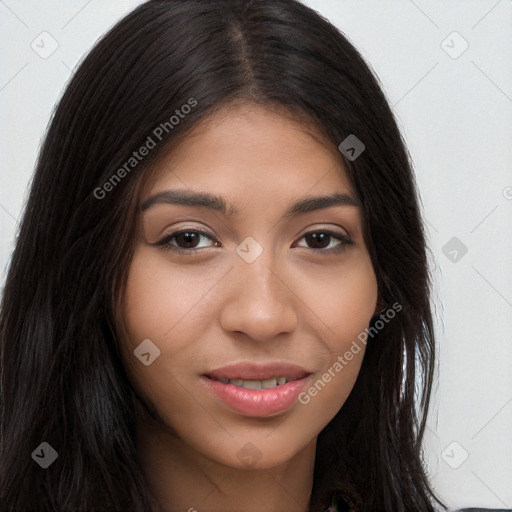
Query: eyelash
[[165, 241]]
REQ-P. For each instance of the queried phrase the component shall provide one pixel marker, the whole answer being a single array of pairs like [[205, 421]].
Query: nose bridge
[[259, 284], [259, 279], [258, 302], [256, 263]]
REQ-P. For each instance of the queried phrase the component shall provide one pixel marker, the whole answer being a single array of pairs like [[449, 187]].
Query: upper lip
[[259, 371]]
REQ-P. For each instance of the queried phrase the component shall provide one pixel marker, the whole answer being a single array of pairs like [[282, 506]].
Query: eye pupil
[[318, 240], [187, 240]]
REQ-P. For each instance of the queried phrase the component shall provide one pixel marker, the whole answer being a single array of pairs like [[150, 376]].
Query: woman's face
[[266, 281]]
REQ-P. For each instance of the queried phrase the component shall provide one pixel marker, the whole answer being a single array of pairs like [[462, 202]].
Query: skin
[[211, 308]]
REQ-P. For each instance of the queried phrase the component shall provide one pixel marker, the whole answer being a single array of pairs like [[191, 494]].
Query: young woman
[[219, 296]]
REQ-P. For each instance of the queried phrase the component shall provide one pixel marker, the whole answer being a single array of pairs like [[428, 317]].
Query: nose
[[259, 302]]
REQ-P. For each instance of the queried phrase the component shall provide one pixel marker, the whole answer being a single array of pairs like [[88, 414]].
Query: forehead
[[249, 149]]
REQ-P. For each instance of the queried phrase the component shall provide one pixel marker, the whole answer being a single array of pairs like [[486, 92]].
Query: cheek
[[159, 302], [343, 300], [345, 303], [159, 297]]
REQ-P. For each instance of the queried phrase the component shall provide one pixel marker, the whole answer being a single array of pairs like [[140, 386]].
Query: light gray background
[[456, 116]]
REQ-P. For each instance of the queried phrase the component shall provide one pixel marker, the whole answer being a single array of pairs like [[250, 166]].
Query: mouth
[[257, 389], [265, 373], [269, 383]]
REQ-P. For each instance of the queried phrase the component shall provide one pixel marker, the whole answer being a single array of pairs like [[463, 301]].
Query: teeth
[[256, 384], [251, 384], [269, 383]]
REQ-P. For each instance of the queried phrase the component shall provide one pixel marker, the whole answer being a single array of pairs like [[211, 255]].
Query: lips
[[257, 389], [255, 371]]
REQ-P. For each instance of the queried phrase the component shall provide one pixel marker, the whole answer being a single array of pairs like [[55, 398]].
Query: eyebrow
[[218, 203]]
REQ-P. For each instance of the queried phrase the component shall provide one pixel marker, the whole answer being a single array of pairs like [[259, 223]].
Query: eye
[[326, 241], [187, 241]]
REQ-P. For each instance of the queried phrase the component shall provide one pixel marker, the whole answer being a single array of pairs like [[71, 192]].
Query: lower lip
[[257, 402]]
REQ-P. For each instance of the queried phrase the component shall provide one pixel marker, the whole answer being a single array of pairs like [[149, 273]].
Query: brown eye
[[187, 241], [325, 241], [318, 240]]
